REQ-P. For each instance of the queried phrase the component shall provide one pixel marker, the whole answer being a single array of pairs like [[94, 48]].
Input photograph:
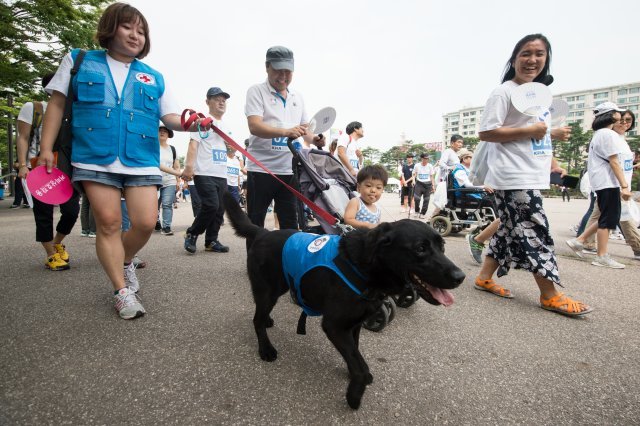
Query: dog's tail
[[239, 220]]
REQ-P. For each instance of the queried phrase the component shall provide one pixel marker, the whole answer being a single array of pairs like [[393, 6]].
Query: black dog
[[386, 257]]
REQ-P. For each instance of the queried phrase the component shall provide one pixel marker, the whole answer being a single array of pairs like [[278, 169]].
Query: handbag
[[62, 145]]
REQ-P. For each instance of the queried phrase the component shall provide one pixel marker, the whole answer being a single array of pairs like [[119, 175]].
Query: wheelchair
[[463, 210]]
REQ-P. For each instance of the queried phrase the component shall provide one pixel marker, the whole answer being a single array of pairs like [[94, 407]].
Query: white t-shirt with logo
[[166, 159], [604, 144], [265, 102], [423, 173], [211, 154], [233, 171], [350, 146], [119, 72], [26, 116], [519, 164]]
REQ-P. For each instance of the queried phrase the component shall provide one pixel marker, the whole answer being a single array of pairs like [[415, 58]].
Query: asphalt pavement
[[67, 358]]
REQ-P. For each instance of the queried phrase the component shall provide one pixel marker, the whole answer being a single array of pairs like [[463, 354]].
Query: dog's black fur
[[389, 256]]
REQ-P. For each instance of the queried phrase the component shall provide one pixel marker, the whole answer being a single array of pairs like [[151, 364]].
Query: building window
[[633, 107], [622, 92], [580, 105], [580, 98], [571, 98], [634, 90], [633, 99], [601, 95], [472, 113], [622, 100], [579, 113]]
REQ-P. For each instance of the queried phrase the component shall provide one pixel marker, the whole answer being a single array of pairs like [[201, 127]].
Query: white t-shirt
[[264, 101], [519, 164], [26, 116], [351, 146], [448, 160], [423, 173], [462, 177], [211, 154], [166, 159], [119, 72], [626, 157], [605, 143], [233, 171]]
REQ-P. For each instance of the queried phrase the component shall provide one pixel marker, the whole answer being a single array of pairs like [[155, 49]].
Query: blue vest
[[105, 126], [303, 252], [456, 185]]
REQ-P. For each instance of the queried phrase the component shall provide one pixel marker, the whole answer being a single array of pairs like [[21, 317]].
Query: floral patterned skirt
[[523, 240]]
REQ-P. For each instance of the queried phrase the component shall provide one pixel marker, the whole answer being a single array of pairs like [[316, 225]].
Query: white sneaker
[[127, 304], [607, 261], [576, 246], [130, 279]]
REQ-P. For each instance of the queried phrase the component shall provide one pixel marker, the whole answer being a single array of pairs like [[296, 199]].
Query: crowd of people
[[129, 174]]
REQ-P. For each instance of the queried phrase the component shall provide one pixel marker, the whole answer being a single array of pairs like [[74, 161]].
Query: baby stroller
[[462, 210], [325, 181]]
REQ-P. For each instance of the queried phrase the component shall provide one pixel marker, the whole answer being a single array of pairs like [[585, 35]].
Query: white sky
[[396, 66]]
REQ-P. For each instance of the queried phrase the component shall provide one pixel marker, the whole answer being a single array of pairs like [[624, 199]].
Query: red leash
[[208, 121]]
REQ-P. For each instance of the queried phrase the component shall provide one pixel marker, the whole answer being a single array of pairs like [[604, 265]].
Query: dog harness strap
[[351, 272], [302, 324]]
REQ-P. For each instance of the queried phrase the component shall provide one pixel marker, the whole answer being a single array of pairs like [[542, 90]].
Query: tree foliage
[[34, 36], [573, 151]]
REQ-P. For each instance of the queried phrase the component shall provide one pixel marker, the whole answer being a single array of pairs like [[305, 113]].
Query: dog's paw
[[368, 378], [354, 393], [269, 322], [268, 353]]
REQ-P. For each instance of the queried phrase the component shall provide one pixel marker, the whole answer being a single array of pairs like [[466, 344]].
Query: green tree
[[371, 155], [571, 152], [471, 142], [34, 36], [392, 158]]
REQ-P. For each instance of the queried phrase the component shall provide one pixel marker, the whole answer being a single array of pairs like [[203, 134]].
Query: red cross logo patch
[[145, 78]]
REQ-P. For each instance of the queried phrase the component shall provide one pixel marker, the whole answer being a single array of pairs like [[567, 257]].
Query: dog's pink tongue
[[445, 297]]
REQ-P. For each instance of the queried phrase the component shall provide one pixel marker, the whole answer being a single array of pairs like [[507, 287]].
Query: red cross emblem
[[145, 78]]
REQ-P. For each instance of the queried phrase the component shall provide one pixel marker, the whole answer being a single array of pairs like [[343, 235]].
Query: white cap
[[606, 107]]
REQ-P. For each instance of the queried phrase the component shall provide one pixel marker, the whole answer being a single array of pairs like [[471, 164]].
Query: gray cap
[[280, 58], [215, 91]]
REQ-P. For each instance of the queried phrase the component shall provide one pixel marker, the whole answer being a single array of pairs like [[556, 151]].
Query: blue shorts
[[116, 180]]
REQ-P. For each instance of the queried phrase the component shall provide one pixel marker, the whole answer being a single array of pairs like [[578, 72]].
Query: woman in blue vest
[[118, 101]]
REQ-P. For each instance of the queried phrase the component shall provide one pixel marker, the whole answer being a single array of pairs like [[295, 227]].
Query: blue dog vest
[[303, 252]]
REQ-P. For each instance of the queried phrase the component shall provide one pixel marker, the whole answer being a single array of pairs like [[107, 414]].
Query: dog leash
[[208, 121]]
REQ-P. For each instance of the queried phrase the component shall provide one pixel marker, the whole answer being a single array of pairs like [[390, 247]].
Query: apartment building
[[466, 122]]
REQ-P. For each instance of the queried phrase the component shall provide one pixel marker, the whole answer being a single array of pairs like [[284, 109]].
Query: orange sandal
[[564, 305], [493, 288]]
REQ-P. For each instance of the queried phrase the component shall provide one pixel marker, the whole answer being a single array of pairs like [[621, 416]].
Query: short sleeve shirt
[[264, 101], [211, 154], [350, 146], [26, 116], [423, 173]]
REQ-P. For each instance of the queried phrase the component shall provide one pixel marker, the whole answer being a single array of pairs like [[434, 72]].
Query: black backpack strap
[[173, 151], [68, 105]]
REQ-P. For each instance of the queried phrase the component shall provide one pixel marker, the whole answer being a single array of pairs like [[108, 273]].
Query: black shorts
[[609, 205], [407, 190]]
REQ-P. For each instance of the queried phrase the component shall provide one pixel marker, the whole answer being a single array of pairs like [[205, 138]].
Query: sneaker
[[127, 304], [190, 242], [166, 231], [616, 236], [130, 279], [576, 246], [14, 206], [158, 226], [589, 250], [84, 233], [475, 248], [216, 246], [607, 261], [636, 255], [26, 206], [60, 248], [574, 230], [92, 234], [54, 263], [138, 263]]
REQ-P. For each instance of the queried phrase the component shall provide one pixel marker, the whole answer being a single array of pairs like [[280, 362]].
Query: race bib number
[[219, 156], [279, 144], [542, 147], [423, 176], [233, 171], [354, 163]]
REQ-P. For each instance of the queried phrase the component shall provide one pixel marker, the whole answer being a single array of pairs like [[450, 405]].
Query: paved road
[[65, 356]]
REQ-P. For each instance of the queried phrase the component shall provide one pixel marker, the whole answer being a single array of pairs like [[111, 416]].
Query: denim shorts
[[116, 180]]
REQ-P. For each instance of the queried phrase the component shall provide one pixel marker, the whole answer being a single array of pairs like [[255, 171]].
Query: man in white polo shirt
[[348, 150], [209, 153], [274, 113]]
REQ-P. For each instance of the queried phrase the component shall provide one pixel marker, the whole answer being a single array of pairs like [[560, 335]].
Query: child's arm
[[350, 215]]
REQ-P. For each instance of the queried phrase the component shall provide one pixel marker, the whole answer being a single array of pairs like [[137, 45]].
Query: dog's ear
[[377, 239]]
